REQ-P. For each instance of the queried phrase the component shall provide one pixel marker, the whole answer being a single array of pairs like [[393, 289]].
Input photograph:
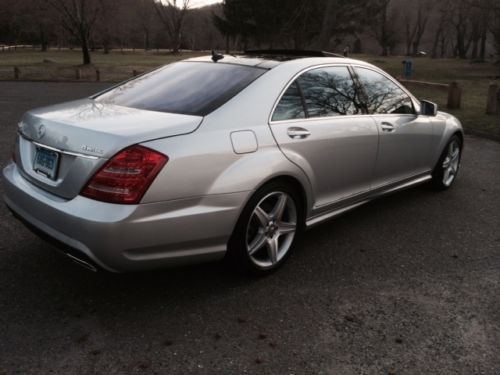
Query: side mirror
[[428, 108]]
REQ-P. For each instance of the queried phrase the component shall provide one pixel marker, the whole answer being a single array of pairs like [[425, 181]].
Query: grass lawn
[[117, 66], [475, 79], [61, 65]]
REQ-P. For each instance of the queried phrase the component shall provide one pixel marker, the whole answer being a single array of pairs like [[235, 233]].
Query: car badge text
[[92, 149]]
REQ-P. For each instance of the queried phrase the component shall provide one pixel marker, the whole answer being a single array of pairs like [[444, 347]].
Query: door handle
[[387, 127], [298, 133]]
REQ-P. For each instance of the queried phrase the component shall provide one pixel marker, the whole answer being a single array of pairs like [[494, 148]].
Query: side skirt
[[339, 210]]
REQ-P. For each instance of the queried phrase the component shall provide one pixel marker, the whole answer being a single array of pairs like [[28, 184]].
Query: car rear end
[[81, 172]]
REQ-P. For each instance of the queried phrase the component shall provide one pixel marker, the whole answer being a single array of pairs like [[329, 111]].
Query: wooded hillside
[[445, 28]]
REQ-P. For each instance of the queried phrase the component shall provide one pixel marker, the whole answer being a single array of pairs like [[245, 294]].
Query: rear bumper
[[123, 238]]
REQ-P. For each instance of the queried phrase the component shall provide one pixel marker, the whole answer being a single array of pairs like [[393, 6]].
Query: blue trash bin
[[407, 68]]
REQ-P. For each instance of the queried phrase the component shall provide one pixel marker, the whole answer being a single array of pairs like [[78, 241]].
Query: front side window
[[191, 88], [321, 92], [382, 96], [329, 92]]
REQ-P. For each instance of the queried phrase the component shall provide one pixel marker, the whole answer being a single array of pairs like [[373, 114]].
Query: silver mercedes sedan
[[222, 157]]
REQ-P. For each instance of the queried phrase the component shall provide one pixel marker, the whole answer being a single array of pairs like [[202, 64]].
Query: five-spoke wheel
[[267, 228], [446, 170], [271, 229], [451, 162]]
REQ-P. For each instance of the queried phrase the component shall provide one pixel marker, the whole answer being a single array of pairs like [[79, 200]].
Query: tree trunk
[[415, 47], [227, 44], [416, 43], [436, 42], [176, 43], [475, 47], [443, 46], [44, 43], [146, 40], [482, 49], [85, 51], [408, 40], [358, 48], [461, 50]]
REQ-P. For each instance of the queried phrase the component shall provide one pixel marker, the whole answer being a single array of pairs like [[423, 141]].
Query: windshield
[[191, 88]]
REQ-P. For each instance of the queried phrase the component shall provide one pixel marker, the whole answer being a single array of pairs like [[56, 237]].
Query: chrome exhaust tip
[[82, 263]]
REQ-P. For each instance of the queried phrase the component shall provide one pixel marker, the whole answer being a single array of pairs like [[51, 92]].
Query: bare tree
[[416, 23], [146, 12], [383, 25], [481, 14], [340, 18], [495, 31], [79, 18], [462, 25], [172, 14], [487, 19], [441, 32]]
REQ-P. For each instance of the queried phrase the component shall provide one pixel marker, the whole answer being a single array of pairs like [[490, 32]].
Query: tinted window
[[193, 88], [383, 95], [329, 91], [291, 105]]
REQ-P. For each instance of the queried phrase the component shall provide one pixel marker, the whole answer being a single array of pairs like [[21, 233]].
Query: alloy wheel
[[271, 229], [451, 163]]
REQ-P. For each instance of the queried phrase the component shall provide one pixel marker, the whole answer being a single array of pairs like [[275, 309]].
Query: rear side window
[[382, 96], [321, 92], [291, 105], [191, 88]]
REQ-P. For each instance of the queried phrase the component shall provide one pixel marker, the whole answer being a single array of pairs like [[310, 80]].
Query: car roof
[[238, 60], [269, 59]]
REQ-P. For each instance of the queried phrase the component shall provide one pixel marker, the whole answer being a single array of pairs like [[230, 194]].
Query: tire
[[446, 170], [267, 229]]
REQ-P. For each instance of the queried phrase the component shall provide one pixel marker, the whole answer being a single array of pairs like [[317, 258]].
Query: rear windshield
[[191, 88]]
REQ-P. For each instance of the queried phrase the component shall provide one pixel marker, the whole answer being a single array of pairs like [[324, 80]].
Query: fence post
[[454, 95], [97, 75], [17, 73], [493, 103]]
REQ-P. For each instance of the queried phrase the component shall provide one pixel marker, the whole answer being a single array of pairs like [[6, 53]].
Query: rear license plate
[[46, 162]]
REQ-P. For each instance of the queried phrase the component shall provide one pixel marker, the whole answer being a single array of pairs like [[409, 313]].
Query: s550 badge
[[92, 149]]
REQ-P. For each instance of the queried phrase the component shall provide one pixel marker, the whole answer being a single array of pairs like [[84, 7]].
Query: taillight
[[126, 177]]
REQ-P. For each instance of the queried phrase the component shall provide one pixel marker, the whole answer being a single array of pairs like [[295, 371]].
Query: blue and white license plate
[[46, 162]]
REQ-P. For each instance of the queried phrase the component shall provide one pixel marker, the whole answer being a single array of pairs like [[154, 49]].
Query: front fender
[[445, 126]]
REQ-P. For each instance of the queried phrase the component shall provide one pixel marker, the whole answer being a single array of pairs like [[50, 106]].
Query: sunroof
[[288, 54]]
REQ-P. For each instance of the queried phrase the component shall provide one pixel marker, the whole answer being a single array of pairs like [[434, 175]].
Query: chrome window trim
[[416, 103], [292, 80], [313, 119]]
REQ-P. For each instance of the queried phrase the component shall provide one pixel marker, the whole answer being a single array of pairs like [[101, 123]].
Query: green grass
[[113, 59], [60, 65], [117, 66], [474, 78]]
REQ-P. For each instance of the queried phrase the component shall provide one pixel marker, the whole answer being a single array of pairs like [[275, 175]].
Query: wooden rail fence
[[453, 90]]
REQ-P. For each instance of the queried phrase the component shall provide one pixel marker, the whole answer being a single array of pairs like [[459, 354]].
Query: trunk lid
[[74, 139]]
